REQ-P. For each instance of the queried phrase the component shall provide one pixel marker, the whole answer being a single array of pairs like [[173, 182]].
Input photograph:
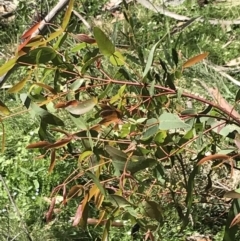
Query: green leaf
[[159, 173], [135, 164], [41, 55], [19, 86], [190, 186], [117, 59], [105, 45], [67, 14], [84, 155], [4, 109], [105, 236], [90, 54], [119, 159], [44, 55], [141, 120], [88, 63], [188, 112], [60, 40], [106, 91], [237, 98], [76, 84], [170, 81], [168, 57], [160, 137], [178, 74], [152, 88], [119, 200], [45, 116], [121, 90], [189, 135], [26, 101], [116, 154], [230, 232], [225, 130], [175, 56], [150, 60], [78, 47], [57, 61], [189, 198], [153, 210], [8, 65], [79, 122], [139, 163], [125, 130], [163, 65], [97, 182], [80, 108], [169, 121], [132, 58], [43, 133], [151, 129], [225, 151], [123, 73], [115, 98]]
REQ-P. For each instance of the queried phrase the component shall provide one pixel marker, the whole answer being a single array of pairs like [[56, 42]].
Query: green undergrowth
[[167, 196]]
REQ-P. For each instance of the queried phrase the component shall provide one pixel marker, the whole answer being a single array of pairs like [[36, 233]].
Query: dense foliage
[[127, 146]]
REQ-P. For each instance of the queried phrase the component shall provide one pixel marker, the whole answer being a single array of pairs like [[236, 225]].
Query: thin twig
[[83, 20], [50, 16], [172, 92], [180, 160]]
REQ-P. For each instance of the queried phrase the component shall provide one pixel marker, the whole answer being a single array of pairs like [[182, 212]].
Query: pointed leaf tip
[[105, 45]]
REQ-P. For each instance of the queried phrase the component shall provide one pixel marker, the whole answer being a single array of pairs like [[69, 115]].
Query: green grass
[[27, 178]]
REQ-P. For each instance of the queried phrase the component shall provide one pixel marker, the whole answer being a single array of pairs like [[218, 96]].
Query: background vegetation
[[118, 121]]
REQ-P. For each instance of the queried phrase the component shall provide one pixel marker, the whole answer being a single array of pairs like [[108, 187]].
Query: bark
[[50, 17]]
